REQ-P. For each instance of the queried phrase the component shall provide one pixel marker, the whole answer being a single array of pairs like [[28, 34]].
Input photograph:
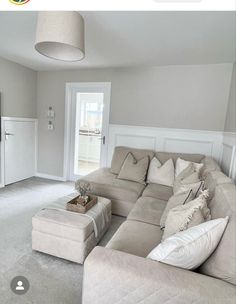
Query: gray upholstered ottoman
[[70, 235]]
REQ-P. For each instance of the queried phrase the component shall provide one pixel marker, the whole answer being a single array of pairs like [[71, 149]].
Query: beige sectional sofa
[[120, 273]]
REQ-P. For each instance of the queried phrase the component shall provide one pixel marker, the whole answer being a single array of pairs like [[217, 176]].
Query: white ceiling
[[124, 39]]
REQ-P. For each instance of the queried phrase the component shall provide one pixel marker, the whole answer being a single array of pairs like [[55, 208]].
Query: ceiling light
[[60, 35]]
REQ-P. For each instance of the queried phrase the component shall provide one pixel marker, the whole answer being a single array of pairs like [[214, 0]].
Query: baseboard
[[52, 177]]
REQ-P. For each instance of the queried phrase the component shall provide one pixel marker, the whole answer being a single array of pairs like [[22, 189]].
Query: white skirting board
[[174, 140], [52, 177]]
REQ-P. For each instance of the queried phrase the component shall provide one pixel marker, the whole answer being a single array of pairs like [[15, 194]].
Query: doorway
[[87, 123]]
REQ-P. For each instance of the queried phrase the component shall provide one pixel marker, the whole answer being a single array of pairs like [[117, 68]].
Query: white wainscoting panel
[[161, 139], [138, 141], [192, 146], [228, 159]]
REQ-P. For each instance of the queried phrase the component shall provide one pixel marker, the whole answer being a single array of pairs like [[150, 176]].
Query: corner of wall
[[228, 159]]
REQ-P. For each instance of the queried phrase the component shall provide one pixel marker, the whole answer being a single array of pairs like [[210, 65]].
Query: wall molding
[[219, 145], [52, 177], [228, 156], [166, 139], [7, 118]]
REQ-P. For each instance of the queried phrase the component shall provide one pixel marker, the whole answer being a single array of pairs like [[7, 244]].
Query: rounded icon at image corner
[[20, 285], [19, 2]]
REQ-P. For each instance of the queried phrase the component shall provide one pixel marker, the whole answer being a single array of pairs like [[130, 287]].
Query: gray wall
[[230, 121], [18, 90], [189, 97]]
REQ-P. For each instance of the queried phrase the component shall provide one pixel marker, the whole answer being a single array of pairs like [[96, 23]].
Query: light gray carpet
[[52, 280]]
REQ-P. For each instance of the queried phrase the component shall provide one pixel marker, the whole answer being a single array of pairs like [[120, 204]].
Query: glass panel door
[[88, 132], [87, 120]]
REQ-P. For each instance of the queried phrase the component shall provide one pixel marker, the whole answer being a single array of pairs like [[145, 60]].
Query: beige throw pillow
[[174, 201], [187, 176], [196, 188], [185, 216], [134, 170], [161, 174], [182, 164]]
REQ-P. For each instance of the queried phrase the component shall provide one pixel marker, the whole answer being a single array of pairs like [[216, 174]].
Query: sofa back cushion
[[121, 153], [164, 156], [214, 178], [222, 263], [209, 164]]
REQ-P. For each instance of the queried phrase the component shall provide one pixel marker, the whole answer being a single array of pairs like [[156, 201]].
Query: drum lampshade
[[60, 35]]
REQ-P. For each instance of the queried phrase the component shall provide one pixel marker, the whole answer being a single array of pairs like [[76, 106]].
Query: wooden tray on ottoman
[[74, 207]]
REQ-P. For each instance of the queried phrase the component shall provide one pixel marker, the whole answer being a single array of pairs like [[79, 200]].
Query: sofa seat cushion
[[148, 210], [104, 183], [136, 238], [158, 191]]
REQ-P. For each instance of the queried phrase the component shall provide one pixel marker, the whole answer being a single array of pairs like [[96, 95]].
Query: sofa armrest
[[111, 276]]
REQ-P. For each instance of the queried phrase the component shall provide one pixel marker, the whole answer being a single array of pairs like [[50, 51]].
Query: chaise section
[[122, 193], [157, 191], [116, 277], [136, 238], [147, 210]]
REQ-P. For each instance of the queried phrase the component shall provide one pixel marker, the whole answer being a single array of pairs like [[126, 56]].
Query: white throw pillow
[[161, 174], [190, 248], [182, 164]]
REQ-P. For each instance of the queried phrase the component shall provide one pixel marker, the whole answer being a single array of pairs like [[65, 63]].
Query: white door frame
[[68, 132], [2, 144]]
